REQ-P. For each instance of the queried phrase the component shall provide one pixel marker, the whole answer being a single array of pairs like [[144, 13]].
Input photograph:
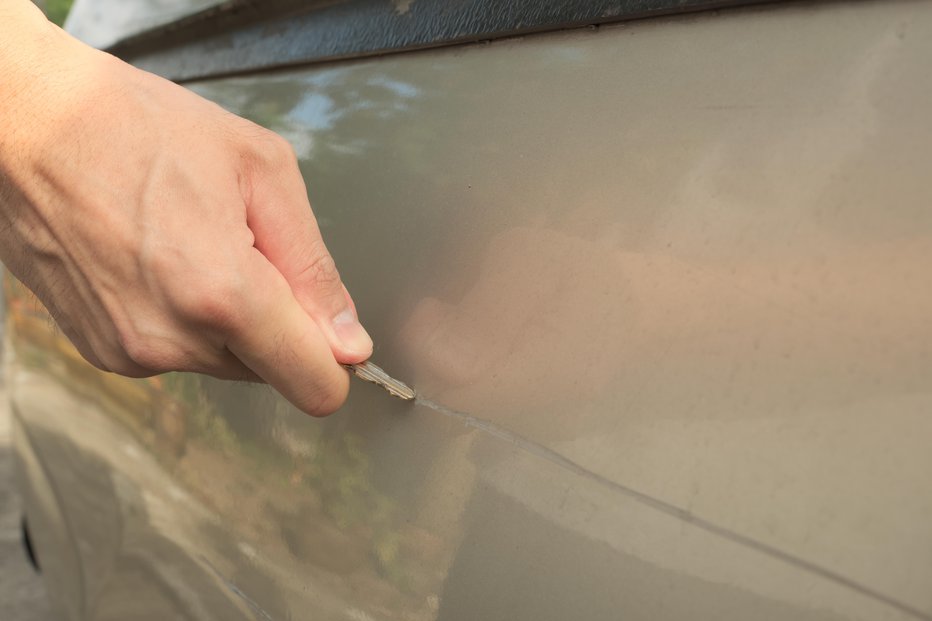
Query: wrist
[[44, 76]]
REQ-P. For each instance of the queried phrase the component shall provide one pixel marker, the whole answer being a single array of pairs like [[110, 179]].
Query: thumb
[[276, 339], [286, 232], [317, 285]]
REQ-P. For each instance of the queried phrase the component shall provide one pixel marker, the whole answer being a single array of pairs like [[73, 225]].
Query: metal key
[[371, 373]]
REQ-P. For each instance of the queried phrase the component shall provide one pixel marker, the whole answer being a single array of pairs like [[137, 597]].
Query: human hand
[[162, 232]]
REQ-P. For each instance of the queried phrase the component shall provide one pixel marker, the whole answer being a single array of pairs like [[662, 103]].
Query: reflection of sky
[[301, 140], [315, 111], [402, 89]]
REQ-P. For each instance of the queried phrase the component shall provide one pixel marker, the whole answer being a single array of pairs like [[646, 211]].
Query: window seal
[[246, 36]]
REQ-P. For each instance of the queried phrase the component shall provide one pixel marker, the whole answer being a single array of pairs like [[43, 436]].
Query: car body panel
[[663, 290]]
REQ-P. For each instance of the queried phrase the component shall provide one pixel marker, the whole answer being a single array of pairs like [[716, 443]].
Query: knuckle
[[276, 152], [282, 148], [203, 298], [141, 356], [214, 305], [214, 310], [320, 271]]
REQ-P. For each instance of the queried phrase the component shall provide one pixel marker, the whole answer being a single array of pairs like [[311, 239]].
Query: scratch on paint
[[667, 508]]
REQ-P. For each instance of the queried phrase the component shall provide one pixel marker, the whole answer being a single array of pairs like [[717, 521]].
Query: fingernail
[[351, 333]]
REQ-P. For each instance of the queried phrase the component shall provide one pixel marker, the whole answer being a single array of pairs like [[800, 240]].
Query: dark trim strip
[[252, 35]]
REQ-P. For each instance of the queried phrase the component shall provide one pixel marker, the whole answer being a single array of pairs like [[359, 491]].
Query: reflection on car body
[[661, 287]]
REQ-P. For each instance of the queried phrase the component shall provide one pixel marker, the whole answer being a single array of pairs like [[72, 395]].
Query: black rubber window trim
[[243, 36]]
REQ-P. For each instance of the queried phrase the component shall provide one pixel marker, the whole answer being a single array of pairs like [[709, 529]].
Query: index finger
[[283, 345]]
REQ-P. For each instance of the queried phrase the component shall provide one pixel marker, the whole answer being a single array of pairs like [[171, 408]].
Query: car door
[[659, 284]]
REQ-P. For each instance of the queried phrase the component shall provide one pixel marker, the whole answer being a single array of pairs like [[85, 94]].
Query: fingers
[[286, 232], [229, 367], [221, 364], [277, 339]]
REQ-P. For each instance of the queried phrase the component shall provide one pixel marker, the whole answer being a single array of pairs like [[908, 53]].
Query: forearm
[[19, 20], [43, 73], [29, 46]]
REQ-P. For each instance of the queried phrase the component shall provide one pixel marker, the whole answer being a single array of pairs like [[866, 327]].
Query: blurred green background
[[57, 10]]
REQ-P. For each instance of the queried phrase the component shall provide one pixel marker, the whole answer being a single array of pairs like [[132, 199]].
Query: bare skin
[[162, 232]]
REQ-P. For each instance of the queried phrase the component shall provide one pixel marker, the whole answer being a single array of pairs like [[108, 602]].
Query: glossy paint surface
[[664, 291]]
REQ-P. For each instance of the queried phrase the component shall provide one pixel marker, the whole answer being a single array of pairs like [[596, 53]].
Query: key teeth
[[372, 373], [407, 394]]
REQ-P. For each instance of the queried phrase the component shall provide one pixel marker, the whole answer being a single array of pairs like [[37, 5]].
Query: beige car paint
[[663, 290]]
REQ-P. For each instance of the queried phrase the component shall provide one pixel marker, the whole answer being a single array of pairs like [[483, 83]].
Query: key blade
[[372, 373]]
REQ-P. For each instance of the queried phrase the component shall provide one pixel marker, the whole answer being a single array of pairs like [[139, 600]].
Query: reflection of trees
[[57, 10], [400, 160], [311, 483], [344, 119], [299, 471], [355, 119]]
